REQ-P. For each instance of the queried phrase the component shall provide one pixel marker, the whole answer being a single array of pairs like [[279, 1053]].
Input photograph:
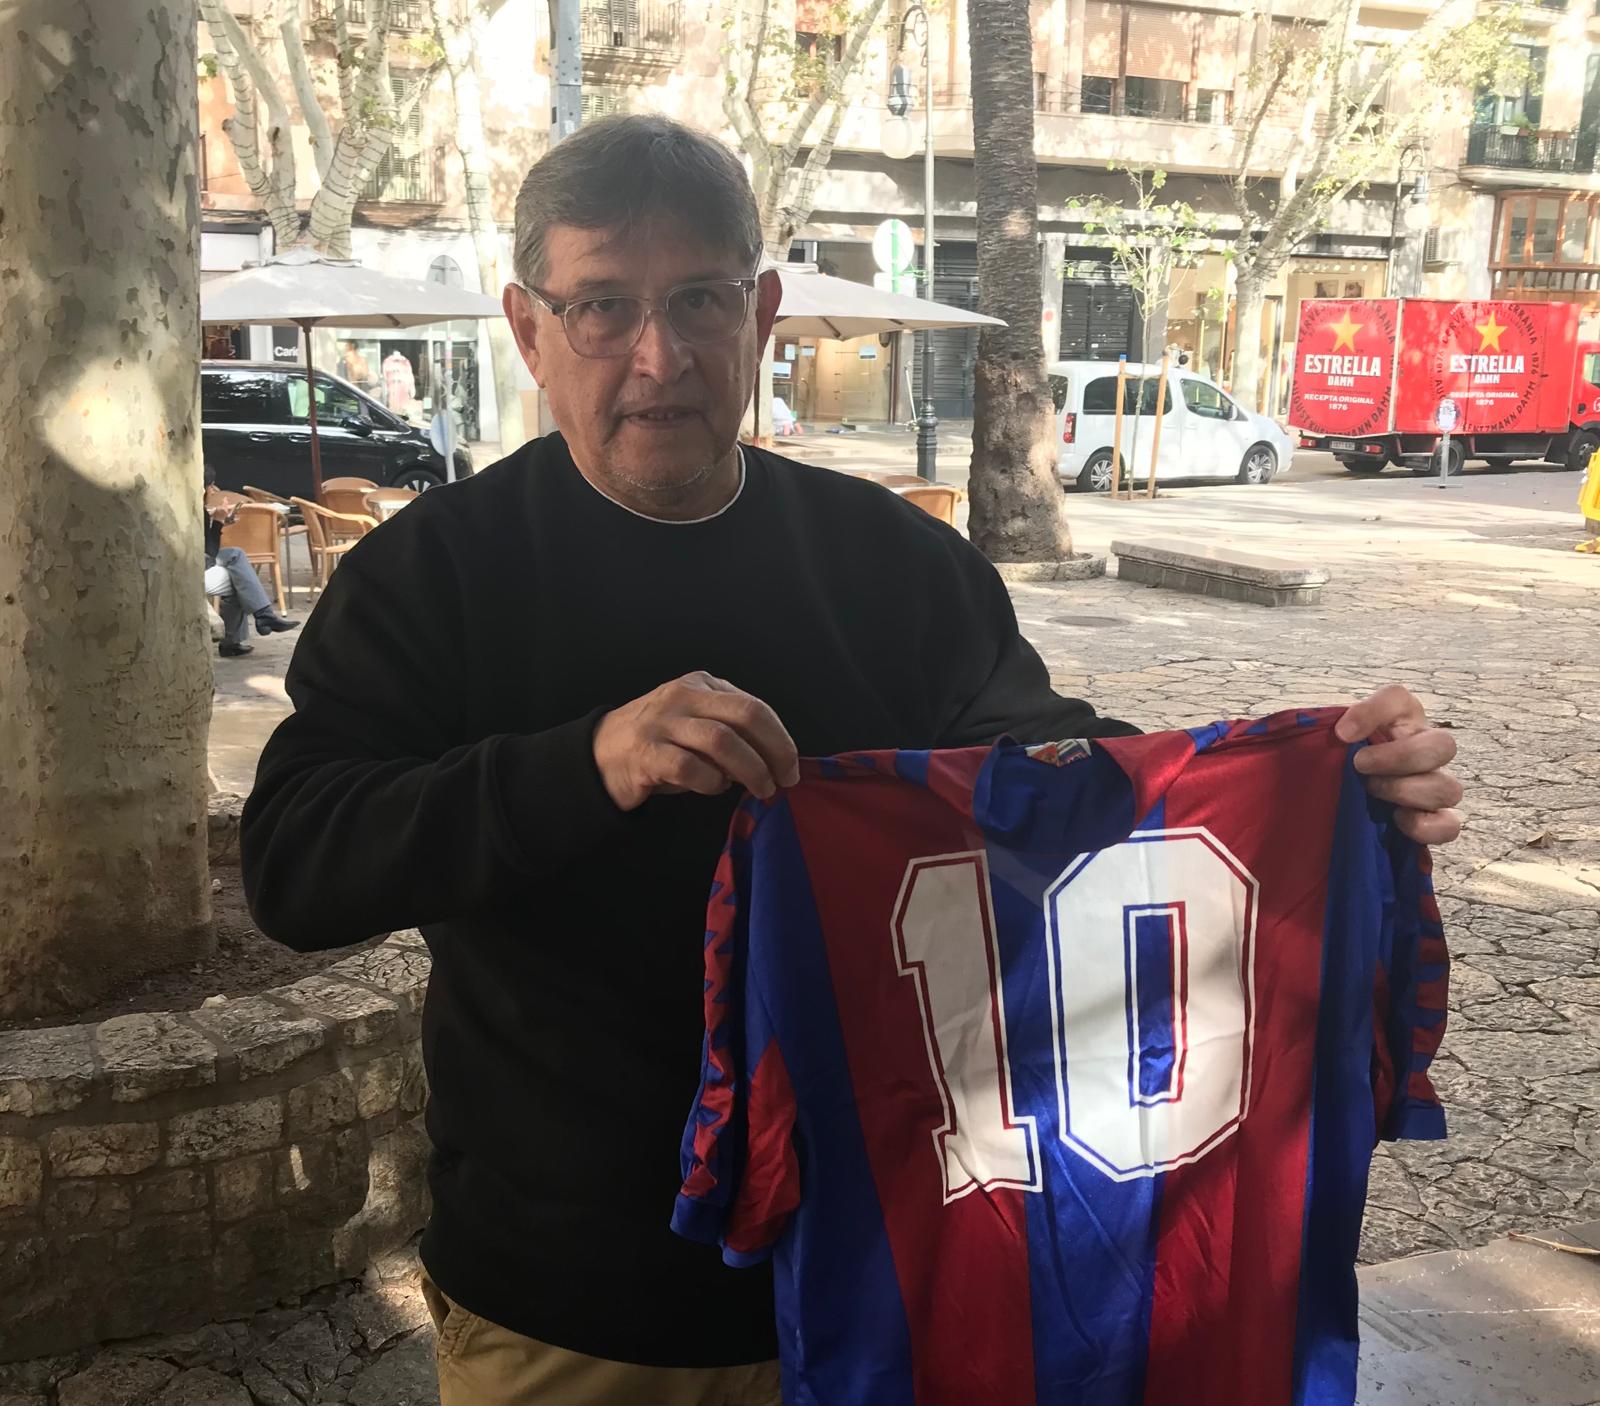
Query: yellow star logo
[[1491, 332], [1344, 332]]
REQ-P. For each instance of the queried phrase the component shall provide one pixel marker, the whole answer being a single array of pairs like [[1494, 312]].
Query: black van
[[255, 431]]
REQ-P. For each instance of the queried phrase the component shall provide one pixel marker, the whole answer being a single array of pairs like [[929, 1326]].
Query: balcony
[[619, 36], [1560, 154], [411, 178]]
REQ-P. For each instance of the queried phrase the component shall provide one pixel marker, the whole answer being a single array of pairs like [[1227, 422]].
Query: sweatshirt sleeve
[[375, 808], [1000, 684]]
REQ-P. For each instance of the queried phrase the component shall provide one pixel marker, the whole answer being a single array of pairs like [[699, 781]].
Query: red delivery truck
[[1369, 375]]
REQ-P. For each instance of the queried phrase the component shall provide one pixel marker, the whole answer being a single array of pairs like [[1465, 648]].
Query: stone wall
[[161, 1171]]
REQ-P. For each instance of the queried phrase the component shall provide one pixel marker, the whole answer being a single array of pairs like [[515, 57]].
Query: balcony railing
[[1525, 151], [632, 28], [407, 176], [355, 11]]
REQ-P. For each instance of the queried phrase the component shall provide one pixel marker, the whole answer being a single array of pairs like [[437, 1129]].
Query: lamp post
[[916, 21], [1399, 230]]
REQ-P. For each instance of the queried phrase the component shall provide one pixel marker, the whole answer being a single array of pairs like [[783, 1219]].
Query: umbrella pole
[[311, 410]]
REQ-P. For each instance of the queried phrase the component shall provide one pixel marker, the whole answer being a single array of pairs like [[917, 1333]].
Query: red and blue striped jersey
[[1054, 1074]]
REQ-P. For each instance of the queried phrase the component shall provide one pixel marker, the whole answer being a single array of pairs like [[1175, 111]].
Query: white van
[[1205, 433]]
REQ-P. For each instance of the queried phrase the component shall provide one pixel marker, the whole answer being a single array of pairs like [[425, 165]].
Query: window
[[1153, 97], [1214, 106], [1546, 217], [819, 46], [333, 402], [235, 397], [1516, 231], [1100, 397], [1059, 385], [447, 271], [1099, 94], [1591, 368], [1574, 233], [1206, 400], [1523, 107]]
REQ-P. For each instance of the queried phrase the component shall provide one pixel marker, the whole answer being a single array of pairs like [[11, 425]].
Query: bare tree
[[459, 34], [348, 137], [1017, 512], [1313, 110], [103, 668], [782, 102]]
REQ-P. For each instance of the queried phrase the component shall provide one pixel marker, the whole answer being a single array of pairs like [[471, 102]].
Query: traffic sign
[[892, 249], [1449, 415]]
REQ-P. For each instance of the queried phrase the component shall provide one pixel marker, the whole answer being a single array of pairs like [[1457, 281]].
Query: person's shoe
[[233, 651], [269, 622]]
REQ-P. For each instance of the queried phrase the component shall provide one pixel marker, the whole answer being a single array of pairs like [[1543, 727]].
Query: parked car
[[1205, 433], [255, 429]]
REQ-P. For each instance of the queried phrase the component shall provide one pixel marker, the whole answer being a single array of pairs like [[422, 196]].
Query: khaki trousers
[[483, 1364]]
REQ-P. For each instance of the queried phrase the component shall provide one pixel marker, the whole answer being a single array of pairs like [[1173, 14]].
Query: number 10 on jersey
[[1150, 949]]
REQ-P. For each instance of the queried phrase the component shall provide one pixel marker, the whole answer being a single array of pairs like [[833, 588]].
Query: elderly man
[[523, 713]]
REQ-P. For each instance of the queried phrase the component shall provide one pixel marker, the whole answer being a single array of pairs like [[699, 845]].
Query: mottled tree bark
[[105, 685], [1017, 512]]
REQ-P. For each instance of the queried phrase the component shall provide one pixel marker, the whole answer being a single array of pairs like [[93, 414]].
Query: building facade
[[1512, 201]]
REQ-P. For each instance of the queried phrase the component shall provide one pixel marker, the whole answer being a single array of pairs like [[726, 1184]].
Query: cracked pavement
[[1473, 599]]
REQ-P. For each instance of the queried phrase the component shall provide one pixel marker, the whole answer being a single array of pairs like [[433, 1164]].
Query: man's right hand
[[697, 733]]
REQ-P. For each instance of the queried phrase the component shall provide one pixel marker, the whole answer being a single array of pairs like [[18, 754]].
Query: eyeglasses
[[700, 313]]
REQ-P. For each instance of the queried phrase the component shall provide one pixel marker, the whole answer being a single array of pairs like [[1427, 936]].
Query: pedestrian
[[233, 580], [399, 382], [523, 713]]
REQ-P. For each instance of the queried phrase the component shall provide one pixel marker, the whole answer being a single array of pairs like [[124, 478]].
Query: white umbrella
[[305, 287], [819, 305]]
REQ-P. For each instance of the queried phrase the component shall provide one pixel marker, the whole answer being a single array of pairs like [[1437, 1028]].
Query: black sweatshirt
[[438, 772]]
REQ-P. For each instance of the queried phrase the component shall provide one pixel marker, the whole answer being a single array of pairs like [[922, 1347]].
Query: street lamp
[[897, 146], [1418, 197]]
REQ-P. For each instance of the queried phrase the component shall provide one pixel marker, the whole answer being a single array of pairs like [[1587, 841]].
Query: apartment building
[[1127, 82], [1515, 209]]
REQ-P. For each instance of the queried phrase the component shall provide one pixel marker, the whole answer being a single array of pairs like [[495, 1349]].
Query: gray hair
[[620, 173]]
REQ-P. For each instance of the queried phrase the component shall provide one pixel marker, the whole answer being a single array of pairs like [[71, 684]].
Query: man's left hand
[[1408, 770]]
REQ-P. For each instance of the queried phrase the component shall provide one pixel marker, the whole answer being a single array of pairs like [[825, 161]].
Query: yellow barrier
[[1589, 505]]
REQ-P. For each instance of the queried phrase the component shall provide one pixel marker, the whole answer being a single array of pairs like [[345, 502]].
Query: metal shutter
[[1102, 39], [1160, 44]]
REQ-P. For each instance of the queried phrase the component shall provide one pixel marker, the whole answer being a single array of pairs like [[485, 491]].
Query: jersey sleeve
[[740, 1173], [1411, 997]]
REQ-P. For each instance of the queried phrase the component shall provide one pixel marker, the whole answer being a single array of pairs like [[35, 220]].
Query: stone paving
[[1483, 611], [1474, 601]]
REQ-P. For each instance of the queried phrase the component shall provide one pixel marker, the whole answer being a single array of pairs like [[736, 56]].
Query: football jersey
[[1053, 1074]]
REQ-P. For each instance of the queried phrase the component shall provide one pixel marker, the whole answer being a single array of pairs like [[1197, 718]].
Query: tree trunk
[[1246, 381], [1017, 510], [103, 664], [462, 44]]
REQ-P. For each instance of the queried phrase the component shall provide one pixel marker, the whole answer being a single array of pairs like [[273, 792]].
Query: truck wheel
[[1095, 476], [1259, 465], [1458, 457], [1578, 452], [1367, 464]]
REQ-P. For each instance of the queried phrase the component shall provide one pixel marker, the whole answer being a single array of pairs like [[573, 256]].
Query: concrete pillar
[[1053, 258], [1072, 74]]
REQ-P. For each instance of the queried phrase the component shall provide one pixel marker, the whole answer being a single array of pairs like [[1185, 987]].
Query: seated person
[[231, 578]]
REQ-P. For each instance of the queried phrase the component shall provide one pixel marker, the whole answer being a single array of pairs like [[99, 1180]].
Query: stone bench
[[1219, 571]]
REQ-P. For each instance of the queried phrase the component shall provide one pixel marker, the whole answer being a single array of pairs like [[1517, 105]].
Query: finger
[[677, 769], [1385, 708], [1437, 790], [725, 749], [760, 727], [1409, 756], [1429, 827]]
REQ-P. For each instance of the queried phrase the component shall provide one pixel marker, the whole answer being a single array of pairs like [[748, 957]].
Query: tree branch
[[305, 90], [829, 90]]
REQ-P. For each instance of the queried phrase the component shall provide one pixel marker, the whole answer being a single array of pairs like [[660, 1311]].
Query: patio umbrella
[[305, 287], [819, 305]]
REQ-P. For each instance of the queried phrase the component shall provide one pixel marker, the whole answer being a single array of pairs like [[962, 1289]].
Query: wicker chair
[[287, 529], [937, 499], [330, 535], [338, 483], [346, 500], [255, 532]]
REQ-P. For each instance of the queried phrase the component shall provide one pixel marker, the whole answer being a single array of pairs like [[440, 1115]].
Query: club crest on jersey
[[1060, 753]]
